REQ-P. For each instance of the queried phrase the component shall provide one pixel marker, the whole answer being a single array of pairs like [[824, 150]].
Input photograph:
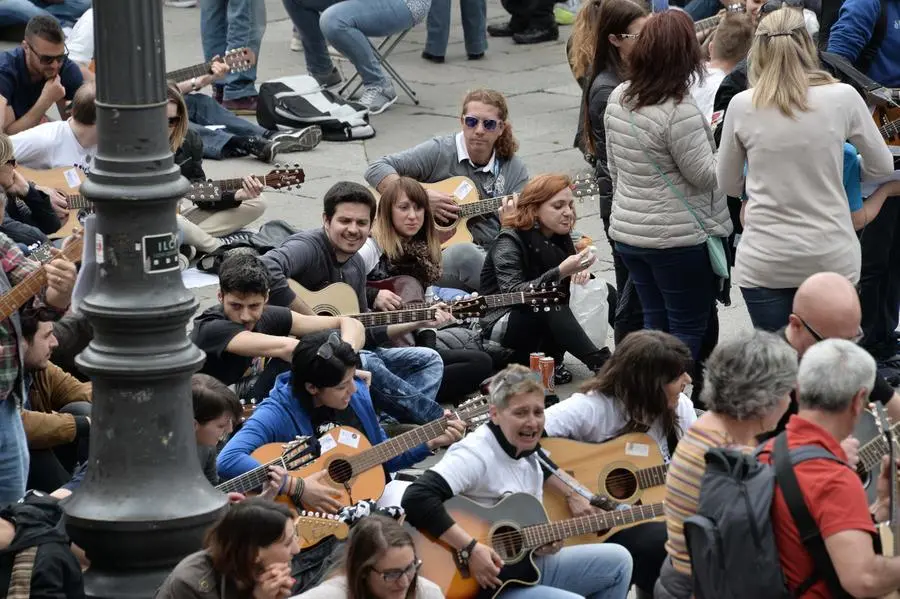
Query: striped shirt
[[683, 487]]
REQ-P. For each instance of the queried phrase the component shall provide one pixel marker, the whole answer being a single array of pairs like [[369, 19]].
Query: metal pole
[[144, 503]]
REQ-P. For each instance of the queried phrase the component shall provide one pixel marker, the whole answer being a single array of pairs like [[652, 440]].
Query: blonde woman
[[789, 129]]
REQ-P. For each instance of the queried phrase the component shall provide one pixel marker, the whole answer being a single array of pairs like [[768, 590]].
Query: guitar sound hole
[[446, 223], [507, 542], [340, 471], [621, 483]]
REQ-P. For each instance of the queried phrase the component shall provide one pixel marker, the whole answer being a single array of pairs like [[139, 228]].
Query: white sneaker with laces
[[377, 99]]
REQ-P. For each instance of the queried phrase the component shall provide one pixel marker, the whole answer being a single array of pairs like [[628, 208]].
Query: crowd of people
[[746, 156]]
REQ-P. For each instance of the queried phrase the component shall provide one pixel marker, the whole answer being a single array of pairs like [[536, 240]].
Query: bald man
[[826, 306]]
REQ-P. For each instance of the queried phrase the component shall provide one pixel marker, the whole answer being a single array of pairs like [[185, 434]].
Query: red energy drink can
[[536, 360], [546, 370]]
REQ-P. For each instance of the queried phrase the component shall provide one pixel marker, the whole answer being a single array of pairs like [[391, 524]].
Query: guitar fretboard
[[480, 207], [251, 480], [890, 130], [197, 70], [13, 299], [78, 202], [871, 453], [374, 319], [707, 23], [654, 476], [539, 535]]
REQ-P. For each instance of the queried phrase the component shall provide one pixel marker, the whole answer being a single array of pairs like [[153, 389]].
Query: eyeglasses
[[326, 350], [174, 120], [488, 124], [395, 575], [819, 337], [48, 60], [773, 5], [628, 36]]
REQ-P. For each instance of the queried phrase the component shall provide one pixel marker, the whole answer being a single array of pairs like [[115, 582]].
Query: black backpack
[[730, 539]]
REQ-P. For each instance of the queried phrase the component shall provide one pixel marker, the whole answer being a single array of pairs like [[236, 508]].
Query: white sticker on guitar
[[462, 190], [638, 450], [98, 249], [72, 178], [349, 439], [326, 443]]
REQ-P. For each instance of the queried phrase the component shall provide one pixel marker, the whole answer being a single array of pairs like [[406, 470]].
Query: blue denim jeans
[[598, 571], [474, 24], [203, 110], [769, 308], [676, 287], [347, 25], [13, 453], [405, 382], [229, 24], [15, 12]]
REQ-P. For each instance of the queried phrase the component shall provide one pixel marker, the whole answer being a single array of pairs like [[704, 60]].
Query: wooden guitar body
[[888, 120], [623, 469], [508, 515], [463, 191], [56, 179], [334, 300]]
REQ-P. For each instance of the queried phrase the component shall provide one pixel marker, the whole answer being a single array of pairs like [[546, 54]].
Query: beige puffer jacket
[[645, 212]]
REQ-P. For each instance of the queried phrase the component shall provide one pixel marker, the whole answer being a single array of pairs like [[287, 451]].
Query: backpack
[[298, 102], [731, 540]]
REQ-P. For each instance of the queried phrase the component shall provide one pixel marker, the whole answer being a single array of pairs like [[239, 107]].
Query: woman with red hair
[[535, 248]]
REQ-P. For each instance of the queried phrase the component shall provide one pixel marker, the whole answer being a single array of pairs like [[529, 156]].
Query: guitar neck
[[16, 297], [238, 183], [480, 207], [871, 453], [196, 70], [890, 130], [78, 202], [539, 535], [381, 453], [374, 319], [707, 23], [654, 476], [251, 480]]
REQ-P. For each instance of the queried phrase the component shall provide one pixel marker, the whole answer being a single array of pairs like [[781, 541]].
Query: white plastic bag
[[590, 305]]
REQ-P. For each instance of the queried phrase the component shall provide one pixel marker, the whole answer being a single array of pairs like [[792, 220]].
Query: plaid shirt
[[17, 267]]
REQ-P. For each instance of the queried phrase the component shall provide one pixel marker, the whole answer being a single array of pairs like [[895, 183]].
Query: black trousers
[[530, 14], [647, 545], [554, 333], [49, 469], [879, 283], [464, 370], [628, 315]]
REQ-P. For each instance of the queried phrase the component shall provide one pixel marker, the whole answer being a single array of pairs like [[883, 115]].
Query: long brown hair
[[665, 60], [177, 133], [616, 16], [536, 192], [369, 539], [635, 377], [584, 38], [506, 144], [233, 543], [383, 230]]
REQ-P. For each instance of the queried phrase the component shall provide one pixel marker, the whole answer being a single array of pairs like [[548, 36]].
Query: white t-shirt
[[595, 418], [51, 145], [370, 253], [479, 469], [336, 588], [704, 92], [80, 41]]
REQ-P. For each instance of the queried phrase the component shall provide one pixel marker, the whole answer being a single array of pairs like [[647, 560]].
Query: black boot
[[535, 36], [597, 359], [263, 149], [503, 30]]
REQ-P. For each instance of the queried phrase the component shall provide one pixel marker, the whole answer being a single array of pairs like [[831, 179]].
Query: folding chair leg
[[382, 51]]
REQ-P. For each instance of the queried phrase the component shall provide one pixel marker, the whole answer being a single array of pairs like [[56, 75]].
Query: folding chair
[[382, 51]]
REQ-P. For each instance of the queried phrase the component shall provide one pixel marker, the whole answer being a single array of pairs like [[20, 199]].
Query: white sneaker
[[377, 99], [181, 3], [296, 44]]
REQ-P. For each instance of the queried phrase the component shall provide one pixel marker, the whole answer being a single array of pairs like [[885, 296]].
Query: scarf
[[415, 261], [544, 253]]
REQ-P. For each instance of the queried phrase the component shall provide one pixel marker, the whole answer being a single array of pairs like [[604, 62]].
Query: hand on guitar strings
[[387, 300], [455, 430], [57, 200], [850, 445], [549, 548], [318, 495], [251, 187], [484, 566], [275, 582], [578, 505], [881, 509], [509, 205], [443, 207], [441, 316], [278, 480]]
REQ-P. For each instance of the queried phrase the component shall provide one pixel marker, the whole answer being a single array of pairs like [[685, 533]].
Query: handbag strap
[[665, 178]]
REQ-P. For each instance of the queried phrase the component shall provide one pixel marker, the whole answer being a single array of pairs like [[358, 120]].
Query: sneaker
[[296, 44], [562, 375], [264, 149], [181, 3], [183, 262], [296, 140], [246, 105], [188, 251], [377, 99], [332, 79], [563, 15], [239, 236]]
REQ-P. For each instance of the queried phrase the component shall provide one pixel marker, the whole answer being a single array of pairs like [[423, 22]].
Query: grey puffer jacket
[[645, 212]]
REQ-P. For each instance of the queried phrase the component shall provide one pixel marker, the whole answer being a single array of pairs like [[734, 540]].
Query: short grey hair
[[513, 380], [747, 377], [832, 372]]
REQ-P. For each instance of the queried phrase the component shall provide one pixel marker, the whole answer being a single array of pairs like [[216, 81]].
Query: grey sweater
[[436, 160]]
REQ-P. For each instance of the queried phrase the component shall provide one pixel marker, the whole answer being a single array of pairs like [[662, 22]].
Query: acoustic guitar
[[887, 118], [31, 285], [339, 299], [237, 60], [354, 465], [514, 528], [289, 456], [708, 24], [465, 195], [629, 469], [890, 538], [312, 527]]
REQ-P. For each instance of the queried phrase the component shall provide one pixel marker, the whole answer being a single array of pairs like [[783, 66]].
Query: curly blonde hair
[[506, 144]]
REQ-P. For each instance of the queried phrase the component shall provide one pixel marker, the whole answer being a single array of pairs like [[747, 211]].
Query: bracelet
[[466, 552], [298, 491], [194, 84], [284, 481]]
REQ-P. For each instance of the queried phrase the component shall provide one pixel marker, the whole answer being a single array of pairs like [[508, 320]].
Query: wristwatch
[[466, 552]]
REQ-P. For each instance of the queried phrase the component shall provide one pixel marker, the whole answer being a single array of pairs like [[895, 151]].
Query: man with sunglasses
[[35, 76]]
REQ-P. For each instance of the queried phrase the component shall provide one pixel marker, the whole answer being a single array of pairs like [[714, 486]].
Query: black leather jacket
[[189, 158]]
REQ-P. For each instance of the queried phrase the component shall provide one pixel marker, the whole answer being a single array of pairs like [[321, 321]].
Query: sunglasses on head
[[628, 36], [46, 59], [488, 124], [326, 350], [773, 5]]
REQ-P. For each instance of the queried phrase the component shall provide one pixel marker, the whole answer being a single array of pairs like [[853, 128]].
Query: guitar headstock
[[472, 307], [239, 59], [41, 253], [473, 409], [298, 453], [312, 527], [204, 191], [584, 186], [544, 297], [284, 177]]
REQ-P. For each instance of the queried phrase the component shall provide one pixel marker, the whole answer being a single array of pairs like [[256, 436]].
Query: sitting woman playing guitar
[[534, 248], [404, 244], [379, 561], [640, 389], [502, 457], [208, 224], [320, 392], [246, 554]]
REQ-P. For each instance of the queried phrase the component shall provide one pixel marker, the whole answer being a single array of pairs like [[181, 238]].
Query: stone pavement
[[542, 94]]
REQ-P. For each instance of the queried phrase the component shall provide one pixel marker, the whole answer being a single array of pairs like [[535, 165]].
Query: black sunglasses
[[326, 350], [819, 337], [488, 124], [174, 120], [773, 5], [48, 60]]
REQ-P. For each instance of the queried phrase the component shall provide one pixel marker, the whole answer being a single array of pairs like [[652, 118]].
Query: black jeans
[[879, 283], [628, 314], [647, 545], [530, 14], [554, 333], [49, 469], [464, 370]]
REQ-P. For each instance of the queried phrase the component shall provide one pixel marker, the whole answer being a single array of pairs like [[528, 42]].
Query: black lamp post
[[144, 503]]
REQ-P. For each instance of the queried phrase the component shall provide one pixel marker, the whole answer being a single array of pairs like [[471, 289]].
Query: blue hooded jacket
[[855, 27], [280, 418]]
